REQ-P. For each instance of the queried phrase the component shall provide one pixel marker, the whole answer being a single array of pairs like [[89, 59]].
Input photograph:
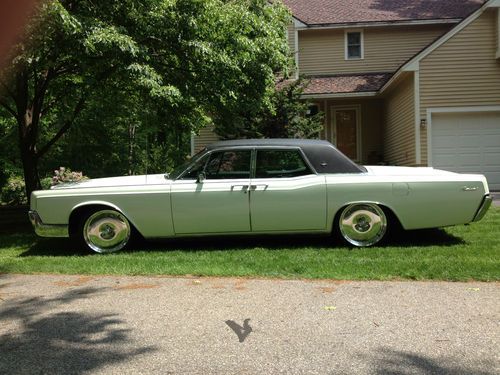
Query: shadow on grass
[[64, 247], [423, 238], [419, 238], [47, 337]]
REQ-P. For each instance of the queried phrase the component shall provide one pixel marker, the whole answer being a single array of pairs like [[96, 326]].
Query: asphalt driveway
[[132, 325]]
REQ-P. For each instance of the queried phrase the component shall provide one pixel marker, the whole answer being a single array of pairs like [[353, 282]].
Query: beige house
[[403, 82]]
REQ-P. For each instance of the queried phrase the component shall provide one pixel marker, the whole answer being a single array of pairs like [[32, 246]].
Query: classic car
[[269, 186]]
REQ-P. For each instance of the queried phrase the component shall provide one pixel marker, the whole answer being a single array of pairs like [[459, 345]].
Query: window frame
[[281, 148], [253, 158], [346, 44]]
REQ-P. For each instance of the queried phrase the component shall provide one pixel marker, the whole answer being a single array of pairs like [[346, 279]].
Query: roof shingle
[[318, 12], [343, 83]]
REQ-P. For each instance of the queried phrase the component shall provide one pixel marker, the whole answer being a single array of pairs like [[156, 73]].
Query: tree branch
[[6, 88], [8, 108], [78, 108], [67, 124]]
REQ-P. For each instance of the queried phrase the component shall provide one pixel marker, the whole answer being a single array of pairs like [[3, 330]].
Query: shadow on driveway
[[38, 338], [394, 362]]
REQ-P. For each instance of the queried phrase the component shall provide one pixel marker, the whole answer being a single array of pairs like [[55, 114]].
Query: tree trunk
[[29, 157], [27, 121], [131, 149], [30, 168]]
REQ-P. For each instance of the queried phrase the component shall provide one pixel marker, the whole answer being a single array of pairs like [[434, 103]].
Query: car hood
[[152, 179], [377, 170]]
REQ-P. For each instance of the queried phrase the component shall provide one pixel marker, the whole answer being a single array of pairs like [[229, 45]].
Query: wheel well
[[80, 212]]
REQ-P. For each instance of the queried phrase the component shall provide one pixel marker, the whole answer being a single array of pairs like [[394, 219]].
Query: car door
[[219, 202], [285, 193]]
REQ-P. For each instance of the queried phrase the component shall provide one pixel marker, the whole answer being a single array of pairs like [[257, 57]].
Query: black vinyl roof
[[323, 156], [268, 142]]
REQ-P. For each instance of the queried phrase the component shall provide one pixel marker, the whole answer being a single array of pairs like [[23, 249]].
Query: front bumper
[[483, 208], [47, 230]]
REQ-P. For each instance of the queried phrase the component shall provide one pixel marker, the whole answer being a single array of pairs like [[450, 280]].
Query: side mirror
[[201, 177]]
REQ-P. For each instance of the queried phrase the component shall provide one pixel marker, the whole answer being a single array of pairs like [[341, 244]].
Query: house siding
[[463, 71], [322, 52], [205, 137], [291, 38], [399, 134]]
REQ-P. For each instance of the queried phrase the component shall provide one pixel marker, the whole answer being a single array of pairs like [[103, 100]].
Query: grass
[[459, 253]]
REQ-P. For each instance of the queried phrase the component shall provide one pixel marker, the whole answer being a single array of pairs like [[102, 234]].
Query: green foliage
[[97, 85], [14, 191], [285, 117]]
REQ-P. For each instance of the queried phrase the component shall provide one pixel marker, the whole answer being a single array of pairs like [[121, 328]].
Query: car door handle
[[254, 187], [243, 187]]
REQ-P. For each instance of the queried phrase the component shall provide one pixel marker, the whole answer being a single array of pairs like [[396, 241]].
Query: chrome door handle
[[244, 188], [254, 187]]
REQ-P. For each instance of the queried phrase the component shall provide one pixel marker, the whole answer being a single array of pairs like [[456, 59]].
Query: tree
[[191, 61], [286, 117]]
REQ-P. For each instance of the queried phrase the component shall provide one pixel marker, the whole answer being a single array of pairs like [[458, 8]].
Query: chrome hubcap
[[363, 224], [106, 231]]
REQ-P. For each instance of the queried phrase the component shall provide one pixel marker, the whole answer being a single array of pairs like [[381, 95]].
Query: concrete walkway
[[137, 325]]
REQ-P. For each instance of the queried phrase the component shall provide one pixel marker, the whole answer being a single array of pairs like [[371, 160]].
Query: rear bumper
[[47, 230], [483, 208]]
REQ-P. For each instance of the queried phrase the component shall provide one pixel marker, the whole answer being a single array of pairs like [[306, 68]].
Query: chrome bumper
[[47, 230], [483, 208]]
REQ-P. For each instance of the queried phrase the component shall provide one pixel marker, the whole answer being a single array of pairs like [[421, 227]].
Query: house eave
[[367, 94], [344, 25]]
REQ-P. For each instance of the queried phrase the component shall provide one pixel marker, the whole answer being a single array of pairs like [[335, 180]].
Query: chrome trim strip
[[483, 208], [47, 230]]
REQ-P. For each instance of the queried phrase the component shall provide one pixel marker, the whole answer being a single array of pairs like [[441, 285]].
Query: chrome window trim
[[253, 157]]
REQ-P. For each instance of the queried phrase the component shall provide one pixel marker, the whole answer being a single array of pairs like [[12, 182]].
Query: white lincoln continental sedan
[[270, 186]]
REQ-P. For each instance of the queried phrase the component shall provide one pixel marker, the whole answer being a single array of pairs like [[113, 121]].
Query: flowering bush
[[64, 175], [14, 191]]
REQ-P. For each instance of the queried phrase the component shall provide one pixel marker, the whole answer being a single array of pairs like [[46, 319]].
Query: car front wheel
[[362, 224], [105, 231]]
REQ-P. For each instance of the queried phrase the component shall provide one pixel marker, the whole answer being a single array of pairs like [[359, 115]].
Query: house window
[[353, 45]]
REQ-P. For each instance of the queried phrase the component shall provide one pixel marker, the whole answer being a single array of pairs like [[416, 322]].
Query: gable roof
[[412, 64], [331, 12]]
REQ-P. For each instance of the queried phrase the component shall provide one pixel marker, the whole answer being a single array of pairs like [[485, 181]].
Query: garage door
[[467, 143]]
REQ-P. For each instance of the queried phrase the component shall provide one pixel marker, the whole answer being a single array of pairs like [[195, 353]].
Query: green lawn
[[457, 253]]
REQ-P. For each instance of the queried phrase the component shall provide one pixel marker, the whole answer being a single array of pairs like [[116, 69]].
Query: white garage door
[[468, 143]]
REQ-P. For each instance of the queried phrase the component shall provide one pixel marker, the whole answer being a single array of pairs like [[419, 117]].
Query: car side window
[[280, 163], [195, 169], [228, 164]]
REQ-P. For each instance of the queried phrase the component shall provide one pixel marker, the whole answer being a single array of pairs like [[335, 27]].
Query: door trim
[[333, 126]]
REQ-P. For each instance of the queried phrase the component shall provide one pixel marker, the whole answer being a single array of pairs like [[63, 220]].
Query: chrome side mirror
[[201, 177]]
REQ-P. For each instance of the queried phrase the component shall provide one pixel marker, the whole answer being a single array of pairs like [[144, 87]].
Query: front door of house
[[346, 131]]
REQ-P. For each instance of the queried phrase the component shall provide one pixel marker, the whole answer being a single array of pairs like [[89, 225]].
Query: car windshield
[[181, 168]]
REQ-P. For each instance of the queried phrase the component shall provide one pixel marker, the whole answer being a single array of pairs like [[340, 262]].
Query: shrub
[[14, 191], [65, 175]]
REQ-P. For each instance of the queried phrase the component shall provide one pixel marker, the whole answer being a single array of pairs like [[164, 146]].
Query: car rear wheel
[[105, 231], [362, 224]]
